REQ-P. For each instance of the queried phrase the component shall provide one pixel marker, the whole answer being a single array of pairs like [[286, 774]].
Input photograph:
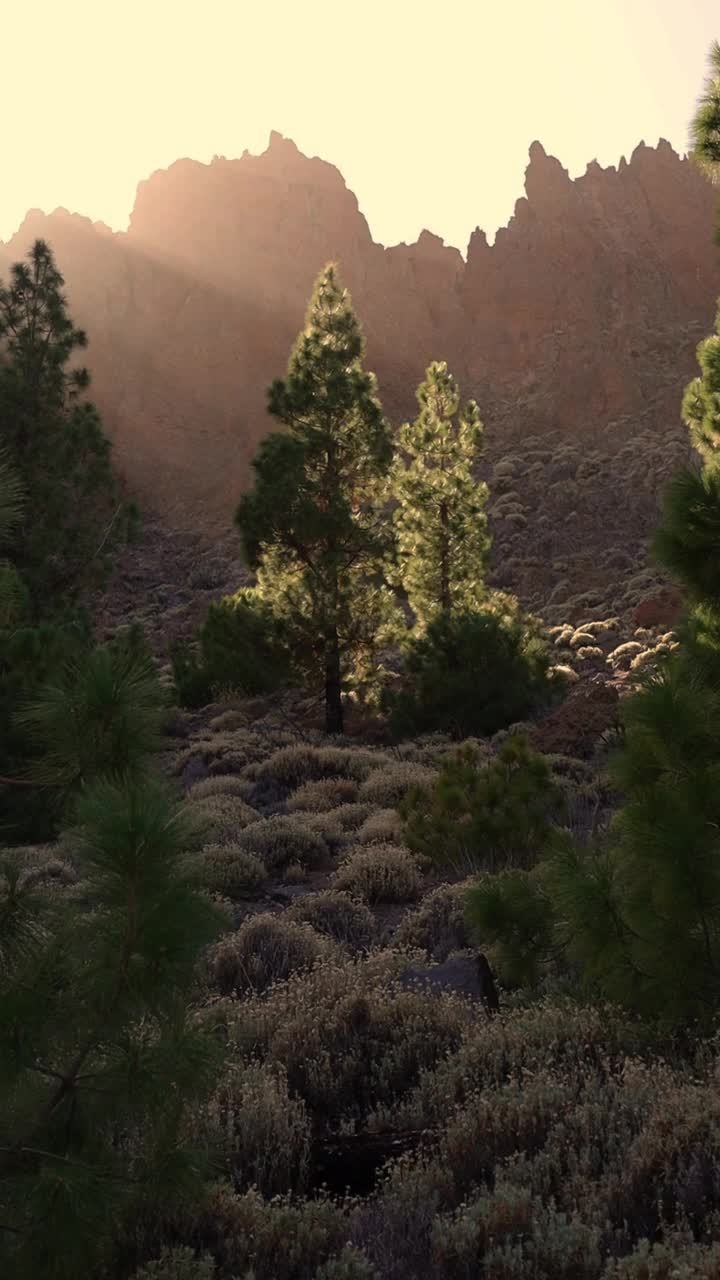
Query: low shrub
[[322, 795], [384, 826], [222, 784], [260, 1133], [387, 786], [438, 925], [284, 839], [379, 873], [264, 950], [676, 1259], [293, 765], [336, 915], [231, 871], [222, 817], [352, 1041], [471, 673], [279, 1239], [228, 721], [178, 1264], [351, 1264]]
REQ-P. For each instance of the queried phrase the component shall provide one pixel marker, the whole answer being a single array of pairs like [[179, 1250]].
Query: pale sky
[[427, 107]]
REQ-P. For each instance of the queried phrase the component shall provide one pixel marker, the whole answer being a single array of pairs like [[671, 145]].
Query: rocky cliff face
[[587, 308]]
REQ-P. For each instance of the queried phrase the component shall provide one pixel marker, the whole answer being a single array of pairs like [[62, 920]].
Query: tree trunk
[[333, 685], [444, 560]]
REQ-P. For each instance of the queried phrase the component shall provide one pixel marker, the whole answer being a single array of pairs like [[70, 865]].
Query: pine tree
[[705, 126], [98, 1055], [315, 526], [54, 440], [12, 501], [440, 518]]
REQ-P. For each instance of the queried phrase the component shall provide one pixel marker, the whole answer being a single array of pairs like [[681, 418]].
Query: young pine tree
[[55, 442], [314, 526], [440, 517], [98, 1055]]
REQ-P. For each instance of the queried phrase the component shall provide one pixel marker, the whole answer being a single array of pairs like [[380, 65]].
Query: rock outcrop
[[587, 307]]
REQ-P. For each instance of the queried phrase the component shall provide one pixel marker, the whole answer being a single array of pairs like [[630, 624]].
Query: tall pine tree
[[440, 517], [54, 440], [315, 525]]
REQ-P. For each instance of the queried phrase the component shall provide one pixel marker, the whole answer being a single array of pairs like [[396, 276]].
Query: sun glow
[[427, 111]]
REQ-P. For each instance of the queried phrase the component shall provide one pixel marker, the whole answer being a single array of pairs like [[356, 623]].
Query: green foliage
[[440, 517], [508, 914], [484, 815], [101, 715], [61, 515], [73, 516], [242, 646], [472, 673], [314, 526], [97, 1055], [700, 407], [705, 126]]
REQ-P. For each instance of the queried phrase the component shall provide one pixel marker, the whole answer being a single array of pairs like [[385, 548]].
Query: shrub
[[264, 950], [336, 915], [231, 871], [438, 925], [281, 840], [177, 1264], [241, 647], [387, 786], [516, 1236], [292, 765], [382, 827], [229, 720], [495, 815], [675, 1260], [351, 1264], [471, 673], [222, 784], [379, 873], [323, 794], [350, 817], [260, 1132], [351, 1040], [280, 1239], [222, 817]]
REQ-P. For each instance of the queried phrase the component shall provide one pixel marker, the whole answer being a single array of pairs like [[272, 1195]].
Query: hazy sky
[[427, 107]]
